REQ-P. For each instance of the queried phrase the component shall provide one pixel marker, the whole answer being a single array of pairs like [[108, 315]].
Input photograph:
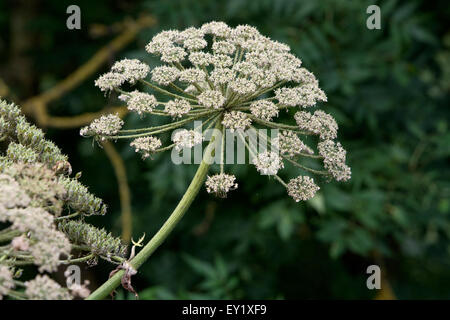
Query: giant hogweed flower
[[36, 191], [235, 77]]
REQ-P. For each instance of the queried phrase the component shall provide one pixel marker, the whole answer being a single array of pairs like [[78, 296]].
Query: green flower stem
[[78, 260], [164, 128], [171, 124], [185, 202], [296, 164], [165, 91], [10, 235], [276, 125]]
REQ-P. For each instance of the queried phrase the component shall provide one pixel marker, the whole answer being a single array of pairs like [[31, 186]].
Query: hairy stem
[[166, 228]]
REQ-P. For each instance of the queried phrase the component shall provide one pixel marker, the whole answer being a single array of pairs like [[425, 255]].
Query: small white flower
[[319, 123], [268, 163], [164, 75], [305, 95], [264, 109], [146, 145], [132, 69], [177, 108], [218, 29], [221, 184], [220, 76], [186, 138], [242, 86], [290, 144], [221, 61], [223, 47], [6, 280], [141, 102], [211, 99], [110, 81], [334, 157], [195, 43], [236, 120], [192, 75], [302, 188], [173, 54], [245, 68], [107, 125], [201, 58]]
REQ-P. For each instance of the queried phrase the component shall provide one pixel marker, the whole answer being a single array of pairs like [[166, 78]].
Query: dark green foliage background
[[387, 88]]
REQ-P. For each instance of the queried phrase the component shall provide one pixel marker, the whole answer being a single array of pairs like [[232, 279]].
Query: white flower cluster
[[211, 99], [264, 110], [236, 120], [177, 108], [192, 75], [103, 127], [302, 188], [146, 145], [164, 75], [221, 184], [37, 195], [305, 95], [334, 157], [131, 69], [290, 144], [140, 102], [48, 243], [186, 138], [109, 81], [44, 288], [235, 76], [268, 163], [127, 70], [319, 123]]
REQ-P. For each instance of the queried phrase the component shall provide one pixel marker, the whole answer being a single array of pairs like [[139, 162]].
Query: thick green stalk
[[189, 196]]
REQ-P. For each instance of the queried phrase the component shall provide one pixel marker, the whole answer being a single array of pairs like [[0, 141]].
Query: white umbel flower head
[[264, 110], [236, 120], [242, 86], [221, 76], [164, 75], [302, 188], [108, 125], [305, 95], [146, 145], [173, 54], [211, 99], [231, 79], [217, 28], [199, 58], [177, 108], [268, 163], [224, 47], [141, 102], [334, 157], [186, 138], [290, 144], [132, 69], [44, 288], [110, 81], [192, 75], [221, 184], [319, 123]]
